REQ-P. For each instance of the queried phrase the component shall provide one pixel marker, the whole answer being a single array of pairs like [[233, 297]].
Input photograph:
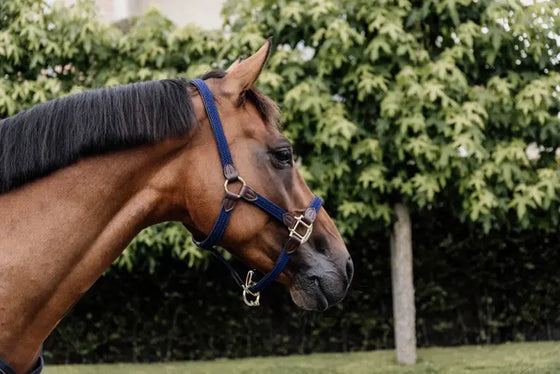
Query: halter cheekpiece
[[299, 226]]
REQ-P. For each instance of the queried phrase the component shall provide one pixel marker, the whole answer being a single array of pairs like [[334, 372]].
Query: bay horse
[[80, 176]]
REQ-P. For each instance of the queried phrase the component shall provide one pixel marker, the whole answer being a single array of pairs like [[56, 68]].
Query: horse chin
[[317, 293], [320, 282], [311, 301]]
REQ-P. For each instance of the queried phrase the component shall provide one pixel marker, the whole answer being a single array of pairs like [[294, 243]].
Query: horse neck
[[60, 233]]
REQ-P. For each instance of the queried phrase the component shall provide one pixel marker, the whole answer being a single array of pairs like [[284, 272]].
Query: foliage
[[449, 105], [419, 100], [472, 288]]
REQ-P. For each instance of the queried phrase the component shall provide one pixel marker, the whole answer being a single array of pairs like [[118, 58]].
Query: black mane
[[55, 134]]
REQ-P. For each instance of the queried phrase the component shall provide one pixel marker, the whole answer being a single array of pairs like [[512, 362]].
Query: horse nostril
[[349, 269], [316, 281]]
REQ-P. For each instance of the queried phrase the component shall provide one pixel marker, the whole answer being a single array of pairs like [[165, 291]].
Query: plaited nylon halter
[[299, 226]]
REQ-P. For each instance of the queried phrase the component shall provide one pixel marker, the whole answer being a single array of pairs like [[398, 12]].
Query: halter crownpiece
[[299, 226]]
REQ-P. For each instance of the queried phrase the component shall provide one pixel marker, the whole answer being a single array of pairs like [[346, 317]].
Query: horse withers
[[80, 176]]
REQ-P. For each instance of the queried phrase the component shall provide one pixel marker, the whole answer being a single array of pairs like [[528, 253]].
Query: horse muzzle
[[321, 281]]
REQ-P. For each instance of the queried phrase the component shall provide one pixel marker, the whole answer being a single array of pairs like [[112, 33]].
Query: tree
[[389, 103], [395, 105]]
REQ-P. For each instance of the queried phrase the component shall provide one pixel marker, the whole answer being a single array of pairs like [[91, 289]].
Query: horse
[[81, 175]]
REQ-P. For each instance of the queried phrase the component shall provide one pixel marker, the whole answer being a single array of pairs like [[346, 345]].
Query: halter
[[299, 226]]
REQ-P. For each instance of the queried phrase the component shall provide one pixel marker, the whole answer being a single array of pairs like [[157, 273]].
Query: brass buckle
[[250, 298], [235, 195], [295, 234]]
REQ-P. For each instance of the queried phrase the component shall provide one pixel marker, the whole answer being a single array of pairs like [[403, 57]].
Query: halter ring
[[235, 195], [255, 297]]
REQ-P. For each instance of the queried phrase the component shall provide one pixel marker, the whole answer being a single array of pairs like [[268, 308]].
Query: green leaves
[[374, 177], [335, 129], [422, 102], [434, 101], [426, 186], [163, 237]]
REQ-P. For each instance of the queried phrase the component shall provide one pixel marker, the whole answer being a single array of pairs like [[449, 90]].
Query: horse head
[[320, 270]]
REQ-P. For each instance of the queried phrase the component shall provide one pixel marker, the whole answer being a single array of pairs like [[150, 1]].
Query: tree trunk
[[404, 311]]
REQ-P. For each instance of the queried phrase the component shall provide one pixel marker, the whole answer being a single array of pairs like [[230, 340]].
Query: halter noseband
[[299, 226]]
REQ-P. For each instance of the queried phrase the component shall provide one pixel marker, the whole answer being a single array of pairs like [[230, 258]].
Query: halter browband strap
[[299, 226]]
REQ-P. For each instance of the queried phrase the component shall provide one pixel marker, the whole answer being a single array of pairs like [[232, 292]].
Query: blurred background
[[446, 110], [204, 14]]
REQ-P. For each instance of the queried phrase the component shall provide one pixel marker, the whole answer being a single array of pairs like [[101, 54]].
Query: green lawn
[[541, 358]]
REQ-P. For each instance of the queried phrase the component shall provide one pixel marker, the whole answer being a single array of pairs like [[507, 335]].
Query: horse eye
[[283, 155]]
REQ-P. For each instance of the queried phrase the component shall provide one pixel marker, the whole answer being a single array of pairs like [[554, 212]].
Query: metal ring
[[237, 195], [255, 298]]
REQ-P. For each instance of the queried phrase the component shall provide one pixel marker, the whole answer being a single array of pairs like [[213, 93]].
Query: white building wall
[[120, 9], [205, 13]]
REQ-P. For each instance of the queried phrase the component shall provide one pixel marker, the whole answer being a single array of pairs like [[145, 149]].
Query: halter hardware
[[250, 298], [231, 194], [299, 227], [299, 222]]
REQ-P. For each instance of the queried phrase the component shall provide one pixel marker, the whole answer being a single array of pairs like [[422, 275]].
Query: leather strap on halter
[[299, 226]]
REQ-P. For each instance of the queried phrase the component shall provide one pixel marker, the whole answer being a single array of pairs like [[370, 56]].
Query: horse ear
[[234, 64], [241, 75]]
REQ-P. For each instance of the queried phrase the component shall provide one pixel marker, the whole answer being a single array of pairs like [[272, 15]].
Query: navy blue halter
[[299, 226]]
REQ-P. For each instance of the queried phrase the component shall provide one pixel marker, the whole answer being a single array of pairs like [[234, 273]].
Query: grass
[[526, 358]]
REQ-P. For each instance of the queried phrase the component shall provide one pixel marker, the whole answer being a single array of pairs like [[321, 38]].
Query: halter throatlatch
[[299, 226]]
